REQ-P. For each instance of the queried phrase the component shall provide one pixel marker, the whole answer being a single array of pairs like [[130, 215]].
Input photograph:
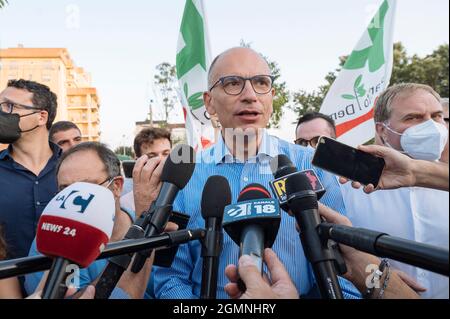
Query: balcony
[[78, 107]]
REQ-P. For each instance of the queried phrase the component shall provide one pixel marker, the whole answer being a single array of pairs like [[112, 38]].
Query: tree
[[282, 95], [124, 151], [166, 81], [3, 3], [306, 102], [431, 70]]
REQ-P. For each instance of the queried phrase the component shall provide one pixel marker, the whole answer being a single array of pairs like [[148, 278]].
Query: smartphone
[[128, 167], [343, 160]]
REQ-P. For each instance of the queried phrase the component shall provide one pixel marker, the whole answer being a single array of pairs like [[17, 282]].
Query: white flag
[[364, 76], [193, 60]]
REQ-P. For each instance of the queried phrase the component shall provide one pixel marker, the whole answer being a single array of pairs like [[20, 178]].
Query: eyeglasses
[[304, 142], [234, 84], [7, 107], [110, 180]]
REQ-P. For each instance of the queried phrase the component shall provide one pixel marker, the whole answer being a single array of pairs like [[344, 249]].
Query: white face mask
[[424, 141]]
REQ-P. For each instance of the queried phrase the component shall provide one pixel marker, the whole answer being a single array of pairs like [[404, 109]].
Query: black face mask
[[9, 127]]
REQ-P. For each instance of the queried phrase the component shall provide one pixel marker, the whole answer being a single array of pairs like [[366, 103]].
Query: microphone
[[177, 172], [381, 244], [253, 223], [282, 168], [302, 202], [25, 265], [74, 227], [216, 195]]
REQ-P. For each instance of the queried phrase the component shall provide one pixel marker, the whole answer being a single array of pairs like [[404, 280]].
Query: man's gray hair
[[383, 107], [109, 159]]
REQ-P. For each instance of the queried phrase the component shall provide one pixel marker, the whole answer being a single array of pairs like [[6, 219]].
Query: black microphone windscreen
[[281, 166], [216, 195], [253, 191], [300, 183], [179, 166], [297, 183]]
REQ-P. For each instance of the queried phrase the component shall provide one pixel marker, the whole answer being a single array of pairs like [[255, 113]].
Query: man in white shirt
[[409, 119]]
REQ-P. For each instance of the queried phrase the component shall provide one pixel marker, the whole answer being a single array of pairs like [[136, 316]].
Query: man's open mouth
[[248, 113]]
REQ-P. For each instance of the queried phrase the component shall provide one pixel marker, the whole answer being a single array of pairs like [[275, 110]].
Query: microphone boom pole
[[22, 266], [383, 245]]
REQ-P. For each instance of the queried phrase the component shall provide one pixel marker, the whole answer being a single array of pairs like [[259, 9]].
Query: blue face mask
[[424, 141]]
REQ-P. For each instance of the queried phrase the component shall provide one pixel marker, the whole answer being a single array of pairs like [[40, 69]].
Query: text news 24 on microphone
[[177, 172], [282, 168], [253, 223], [216, 195], [74, 229]]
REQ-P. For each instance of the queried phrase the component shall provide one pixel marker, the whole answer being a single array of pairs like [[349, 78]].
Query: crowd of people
[[411, 200]]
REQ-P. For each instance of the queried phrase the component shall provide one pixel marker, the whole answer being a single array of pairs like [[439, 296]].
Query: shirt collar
[[6, 153], [56, 150], [266, 150]]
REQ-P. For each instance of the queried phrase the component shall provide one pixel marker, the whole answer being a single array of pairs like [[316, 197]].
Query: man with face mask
[[409, 119], [27, 166], [104, 170]]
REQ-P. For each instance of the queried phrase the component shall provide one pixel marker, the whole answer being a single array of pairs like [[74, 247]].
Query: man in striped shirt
[[241, 96]]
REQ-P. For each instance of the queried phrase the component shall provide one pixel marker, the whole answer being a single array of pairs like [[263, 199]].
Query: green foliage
[[431, 69], [304, 101], [3, 3], [282, 95], [166, 81], [125, 152]]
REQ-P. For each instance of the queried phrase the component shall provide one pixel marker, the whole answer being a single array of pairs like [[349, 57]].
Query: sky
[[121, 42]]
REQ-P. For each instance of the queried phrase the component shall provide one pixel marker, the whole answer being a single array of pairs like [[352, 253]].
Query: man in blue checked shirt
[[241, 96]]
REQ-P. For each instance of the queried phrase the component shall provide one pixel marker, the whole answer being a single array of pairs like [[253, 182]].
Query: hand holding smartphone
[[346, 161]]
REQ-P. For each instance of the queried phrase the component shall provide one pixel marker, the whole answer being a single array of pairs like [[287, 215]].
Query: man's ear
[[208, 105], [43, 118], [117, 186], [380, 131]]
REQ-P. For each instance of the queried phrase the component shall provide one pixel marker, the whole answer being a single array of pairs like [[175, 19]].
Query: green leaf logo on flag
[[195, 101], [364, 76], [358, 89]]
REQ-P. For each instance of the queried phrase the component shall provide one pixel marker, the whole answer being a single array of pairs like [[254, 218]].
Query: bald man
[[241, 95]]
